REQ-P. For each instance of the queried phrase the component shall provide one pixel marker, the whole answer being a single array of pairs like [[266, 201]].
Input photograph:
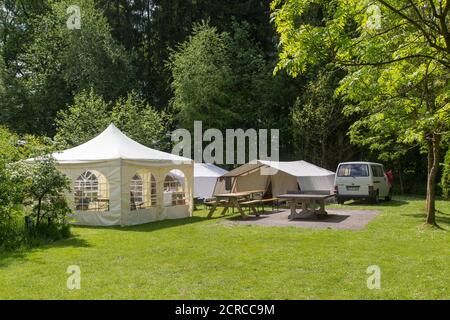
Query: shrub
[[32, 190], [43, 189], [12, 234]]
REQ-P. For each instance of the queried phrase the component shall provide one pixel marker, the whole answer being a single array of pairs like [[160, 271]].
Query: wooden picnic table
[[308, 202], [232, 200]]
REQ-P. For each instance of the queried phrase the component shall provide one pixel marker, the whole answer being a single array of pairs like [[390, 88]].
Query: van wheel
[[389, 196], [376, 198], [340, 200]]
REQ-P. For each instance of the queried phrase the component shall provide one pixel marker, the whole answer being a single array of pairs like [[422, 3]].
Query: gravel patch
[[336, 219]]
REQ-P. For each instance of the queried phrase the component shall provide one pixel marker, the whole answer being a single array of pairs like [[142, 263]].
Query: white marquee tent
[[277, 178], [205, 178], [117, 181]]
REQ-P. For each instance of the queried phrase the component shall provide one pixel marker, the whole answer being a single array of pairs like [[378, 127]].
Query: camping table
[[103, 203], [308, 202], [232, 201]]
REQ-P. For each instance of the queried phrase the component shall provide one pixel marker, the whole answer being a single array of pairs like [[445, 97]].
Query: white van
[[361, 180]]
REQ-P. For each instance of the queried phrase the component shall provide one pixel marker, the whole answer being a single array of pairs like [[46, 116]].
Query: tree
[[90, 115], [202, 79], [8, 146], [223, 80], [319, 128], [397, 59], [151, 27], [43, 189], [140, 121], [83, 120], [445, 179], [59, 62], [13, 191], [10, 195]]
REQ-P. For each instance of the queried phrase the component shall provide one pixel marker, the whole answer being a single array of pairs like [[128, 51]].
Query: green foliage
[[223, 80], [319, 128], [43, 188], [403, 102], [397, 74], [398, 59], [8, 146], [202, 78], [83, 120], [13, 147], [171, 22], [59, 62], [90, 115], [12, 234], [445, 179], [140, 121], [34, 189]]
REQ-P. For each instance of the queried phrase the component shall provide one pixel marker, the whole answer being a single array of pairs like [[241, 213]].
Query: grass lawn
[[200, 258]]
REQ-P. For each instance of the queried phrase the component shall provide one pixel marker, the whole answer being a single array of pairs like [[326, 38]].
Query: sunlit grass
[[201, 258]]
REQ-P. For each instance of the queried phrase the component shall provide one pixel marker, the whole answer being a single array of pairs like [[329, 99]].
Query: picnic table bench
[[235, 200], [308, 203]]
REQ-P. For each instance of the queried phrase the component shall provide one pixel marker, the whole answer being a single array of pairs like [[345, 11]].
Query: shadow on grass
[[443, 222], [381, 203], [442, 213], [7, 257], [153, 226], [270, 220]]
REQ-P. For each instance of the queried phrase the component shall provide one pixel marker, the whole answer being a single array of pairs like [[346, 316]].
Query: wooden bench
[[210, 203], [275, 202], [251, 204]]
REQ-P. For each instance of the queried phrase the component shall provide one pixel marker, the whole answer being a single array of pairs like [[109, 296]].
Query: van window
[[353, 170], [377, 171]]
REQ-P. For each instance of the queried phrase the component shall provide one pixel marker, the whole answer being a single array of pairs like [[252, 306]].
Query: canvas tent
[[117, 181], [205, 178], [277, 178]]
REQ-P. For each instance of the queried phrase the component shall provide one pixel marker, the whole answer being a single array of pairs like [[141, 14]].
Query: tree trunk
[[400, 178], [433, 167], [324, 152], [38, 216]]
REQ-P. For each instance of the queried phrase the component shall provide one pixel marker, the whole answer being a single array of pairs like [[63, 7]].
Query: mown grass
[[200, 258]]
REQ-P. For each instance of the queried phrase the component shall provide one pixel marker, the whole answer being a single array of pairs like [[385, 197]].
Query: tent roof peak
[[113, 144]]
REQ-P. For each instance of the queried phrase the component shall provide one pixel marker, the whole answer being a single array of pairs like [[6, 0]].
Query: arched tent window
[[174, 193], [91, 192], [142, 190]]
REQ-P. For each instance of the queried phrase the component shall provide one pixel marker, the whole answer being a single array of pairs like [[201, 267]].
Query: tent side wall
[[159, 211], [251, 181], [111, 171], [119, 174], [322, 184], [204, 187], [220, 186], [283, 182]]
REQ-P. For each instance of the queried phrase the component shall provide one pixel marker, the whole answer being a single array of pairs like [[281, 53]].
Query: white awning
[[294, 168]]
